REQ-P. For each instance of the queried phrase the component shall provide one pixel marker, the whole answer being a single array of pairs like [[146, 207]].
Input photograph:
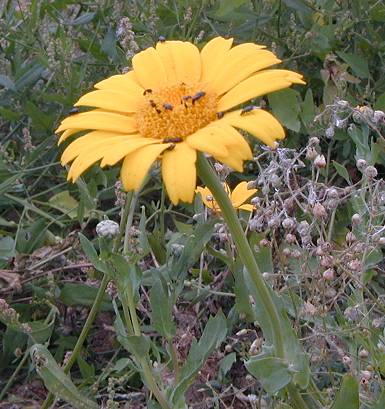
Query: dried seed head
[[361, 164], [275, 181], [356, 219], [381, 241], [255, 201], [320, 161], [326, 261], [328, 274], [346, 360], [290, 238], [342, 103], [289, 205], [353, 313], [366, 375], [265, 243], [319, 211], [332, 193], [355, 265], [311, 153], [286, 252], [371, 172], [313, 141], [329, 133], [350, 237], [288, 223], [274, 222], [309, 308], [296, 254], [251, 185], [378, 116], [303, 228], [363, 353]]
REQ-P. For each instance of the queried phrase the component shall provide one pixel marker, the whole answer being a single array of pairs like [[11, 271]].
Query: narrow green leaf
[[56, 381], [213, 335], [91, 253], [161, 310], [82, 294], [348, 396], [342, 171]]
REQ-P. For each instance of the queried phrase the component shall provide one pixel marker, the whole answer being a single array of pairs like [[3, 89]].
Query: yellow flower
[[176, 101], [237, 197]]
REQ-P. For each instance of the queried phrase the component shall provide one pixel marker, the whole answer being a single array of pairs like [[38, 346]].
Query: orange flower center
[[175, 112]]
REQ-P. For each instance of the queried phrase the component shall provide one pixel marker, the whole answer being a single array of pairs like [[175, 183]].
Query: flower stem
[[210, 179]]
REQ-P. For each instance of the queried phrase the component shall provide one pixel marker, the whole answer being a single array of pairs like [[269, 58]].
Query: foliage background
[[51, 52]]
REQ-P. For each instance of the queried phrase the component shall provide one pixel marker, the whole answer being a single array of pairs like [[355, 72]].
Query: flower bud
[[346, 360], [326, 261], [107, 229], [288, 223], [275, 181], [363, 353], [251, 185], [350, 237], [286, 252], [320, 161]]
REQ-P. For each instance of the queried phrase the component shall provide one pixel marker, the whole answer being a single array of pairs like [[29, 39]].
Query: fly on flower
[[238, 197], [132, 119]]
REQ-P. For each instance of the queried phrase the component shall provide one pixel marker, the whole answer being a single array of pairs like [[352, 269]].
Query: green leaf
[[225, 365], [342, 171], [56, 381], [82, 294], [212, 337], [64, 202], [380, 404], [286, 107], [308, 108], [272, 372], [6, 82], [358, 64], [92, 255], [7, 247], [348, 395], [87, 370], [299, 5], [161, 309], [127, 277], [380, 103]]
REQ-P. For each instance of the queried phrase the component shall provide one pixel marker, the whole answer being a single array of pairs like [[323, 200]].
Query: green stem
[[147, 373], [96, 304], [210, 179], [174, 358], [130, 217], [13, 376], [83, 335]]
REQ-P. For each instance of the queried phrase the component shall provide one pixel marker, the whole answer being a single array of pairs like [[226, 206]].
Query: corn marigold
[[238, 197], [176, 101]]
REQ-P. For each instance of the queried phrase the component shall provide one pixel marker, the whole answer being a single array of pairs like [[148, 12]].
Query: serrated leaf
[[348, 395], [56, 381], [161, 310], [272, 372]]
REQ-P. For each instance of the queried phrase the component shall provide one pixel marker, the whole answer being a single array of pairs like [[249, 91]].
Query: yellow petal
[[137, 164], [234, 141], [208, 140], [66, 134], [182, 60], [149, 70], [240, 62], [212, 56], [207, 197], [125, 82], [179, 173], [105, 121], [235, 162], [258, 123], [111, 100], [257, 85], [247, 207], [114, 154], [85, 142], [240, 194]]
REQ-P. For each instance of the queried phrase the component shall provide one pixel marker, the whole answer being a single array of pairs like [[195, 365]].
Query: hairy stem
[[211, 180]]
